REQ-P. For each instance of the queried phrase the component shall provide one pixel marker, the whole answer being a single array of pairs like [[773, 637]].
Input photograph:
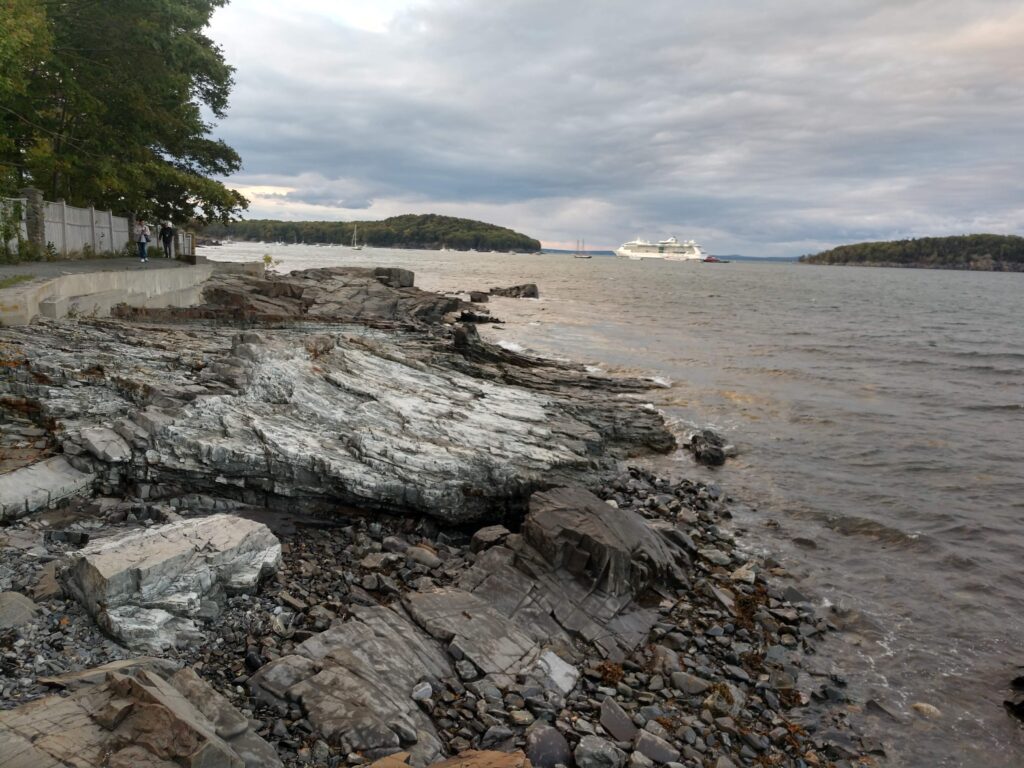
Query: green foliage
[[101, 103], [1000, 253], [11, 240], [408, 231], [7, 282]]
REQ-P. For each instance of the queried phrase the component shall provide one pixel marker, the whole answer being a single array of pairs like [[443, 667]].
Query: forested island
[[987, 253], [408, 231]]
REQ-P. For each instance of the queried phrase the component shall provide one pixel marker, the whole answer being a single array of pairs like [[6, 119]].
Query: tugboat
[[714, 260]]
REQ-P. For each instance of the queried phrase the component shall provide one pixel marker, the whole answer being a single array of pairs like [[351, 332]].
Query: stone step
[[96, 304]]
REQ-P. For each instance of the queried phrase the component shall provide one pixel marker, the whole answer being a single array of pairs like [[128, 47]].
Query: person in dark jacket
[[167, 238]]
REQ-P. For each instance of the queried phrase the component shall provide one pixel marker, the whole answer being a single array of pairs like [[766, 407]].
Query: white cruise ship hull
[[627, 253], [669, 249]]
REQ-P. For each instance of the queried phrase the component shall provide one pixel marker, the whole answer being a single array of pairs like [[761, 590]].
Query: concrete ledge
[[96, 304], [53, 308], [53, 297]]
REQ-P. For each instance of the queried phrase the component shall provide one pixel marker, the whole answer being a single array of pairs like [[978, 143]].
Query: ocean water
[[879, 418]]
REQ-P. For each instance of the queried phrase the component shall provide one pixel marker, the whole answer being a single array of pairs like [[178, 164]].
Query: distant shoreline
[[966, 253]]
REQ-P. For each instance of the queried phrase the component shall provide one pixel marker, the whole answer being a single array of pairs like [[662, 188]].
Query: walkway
[[93, 287], [58, 268]]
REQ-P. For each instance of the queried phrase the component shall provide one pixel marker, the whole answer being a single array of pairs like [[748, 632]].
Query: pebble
[[926, 710]]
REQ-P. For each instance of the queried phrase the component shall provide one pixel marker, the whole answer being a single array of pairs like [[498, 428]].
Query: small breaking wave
[[510, 346]]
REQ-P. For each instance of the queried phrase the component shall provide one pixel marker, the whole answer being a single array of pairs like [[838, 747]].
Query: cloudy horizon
[[763, 131]]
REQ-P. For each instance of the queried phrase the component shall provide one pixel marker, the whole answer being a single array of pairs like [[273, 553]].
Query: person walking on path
[[142, 238], [167, 237]]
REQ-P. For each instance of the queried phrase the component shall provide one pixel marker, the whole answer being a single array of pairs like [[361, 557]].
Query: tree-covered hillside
[[992, 253], [109, 104], [408, 231]]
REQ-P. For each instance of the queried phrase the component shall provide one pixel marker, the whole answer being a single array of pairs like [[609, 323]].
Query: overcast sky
[[762, 128]]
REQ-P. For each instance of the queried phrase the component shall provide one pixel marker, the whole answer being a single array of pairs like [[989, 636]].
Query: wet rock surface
[[461, 567]]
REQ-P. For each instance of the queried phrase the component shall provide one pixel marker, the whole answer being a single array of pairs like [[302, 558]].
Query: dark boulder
[[708, 448], [524, 291]]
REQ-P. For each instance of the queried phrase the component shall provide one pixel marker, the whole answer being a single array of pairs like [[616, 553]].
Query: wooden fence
[[74, 230]]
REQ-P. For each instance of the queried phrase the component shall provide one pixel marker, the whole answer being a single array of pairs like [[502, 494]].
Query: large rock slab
[[336, 294], [39, 485], [482, 634], [611, 550], [16, 610], [580, 573], [146, 588], [131, 717], [360, 399], [354, 682]]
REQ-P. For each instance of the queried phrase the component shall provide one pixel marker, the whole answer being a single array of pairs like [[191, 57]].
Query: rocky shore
[[316, 522]]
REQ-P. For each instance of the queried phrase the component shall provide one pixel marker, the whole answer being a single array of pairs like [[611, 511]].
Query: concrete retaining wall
[[89, 293]]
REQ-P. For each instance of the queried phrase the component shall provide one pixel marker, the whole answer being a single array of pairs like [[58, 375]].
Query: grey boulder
[[146, 588]]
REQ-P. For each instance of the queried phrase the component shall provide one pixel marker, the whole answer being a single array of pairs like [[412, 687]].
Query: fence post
[[35, 218], [92, 229], [110, 224], [63, 227]]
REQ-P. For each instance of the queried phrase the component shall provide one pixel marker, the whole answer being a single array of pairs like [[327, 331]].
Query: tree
[[111, 114]]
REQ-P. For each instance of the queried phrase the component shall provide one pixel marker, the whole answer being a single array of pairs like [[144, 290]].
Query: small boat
[[714, 260], [581, 250], [355, 242]]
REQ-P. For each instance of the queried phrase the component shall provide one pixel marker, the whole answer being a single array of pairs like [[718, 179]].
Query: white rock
[[140, 585], [745, 573], [561, 673], [422, 692], [106, 445]]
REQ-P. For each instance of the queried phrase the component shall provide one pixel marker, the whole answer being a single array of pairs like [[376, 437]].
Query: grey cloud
[[767, 127]]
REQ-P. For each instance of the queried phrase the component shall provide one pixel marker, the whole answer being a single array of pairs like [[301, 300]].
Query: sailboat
[[355, 242], [581, 250]]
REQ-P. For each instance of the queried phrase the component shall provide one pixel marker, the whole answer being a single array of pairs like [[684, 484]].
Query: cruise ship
[[670, 250]]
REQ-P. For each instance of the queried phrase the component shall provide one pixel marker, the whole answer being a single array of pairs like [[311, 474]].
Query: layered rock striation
[[322, 412]]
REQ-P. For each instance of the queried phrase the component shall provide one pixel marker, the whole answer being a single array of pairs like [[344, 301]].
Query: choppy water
[[880, 418]]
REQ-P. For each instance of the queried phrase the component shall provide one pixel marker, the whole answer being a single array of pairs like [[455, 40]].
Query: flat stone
[[615, 720], [485, 759], [689, 684], [546, 747], [595, 752], [39, 485], [655, 747], [488, 536], [16, 610], [106, 445], [491, 641], [561, 673], [424, 556]]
